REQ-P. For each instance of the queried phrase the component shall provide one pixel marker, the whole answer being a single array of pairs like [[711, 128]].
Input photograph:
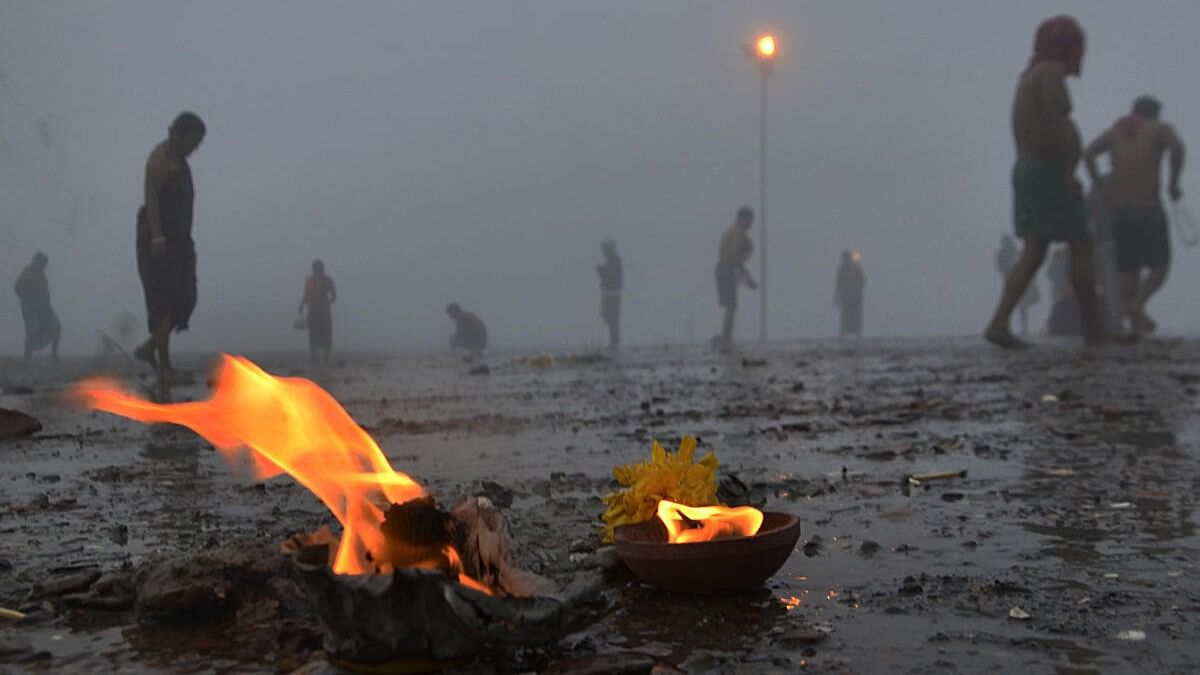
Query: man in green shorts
[[1047, 197]]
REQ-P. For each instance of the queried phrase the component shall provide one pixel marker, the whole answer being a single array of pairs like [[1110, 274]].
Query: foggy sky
[[479, 152]]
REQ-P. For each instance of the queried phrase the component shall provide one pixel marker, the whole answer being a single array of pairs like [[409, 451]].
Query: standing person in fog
[[1107, 276], [469, 332], [848, 293], [318, 298], [166, 254], [1136, 145], [42, 327], [1006, 259], [611, 282], [1047, 197], [734, 252]]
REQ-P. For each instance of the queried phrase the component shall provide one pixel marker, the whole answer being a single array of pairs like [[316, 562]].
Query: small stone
[[910, 586], [14, 424]]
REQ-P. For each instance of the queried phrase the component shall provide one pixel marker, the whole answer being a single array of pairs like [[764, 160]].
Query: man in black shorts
[[732, 255], [1135, 145]]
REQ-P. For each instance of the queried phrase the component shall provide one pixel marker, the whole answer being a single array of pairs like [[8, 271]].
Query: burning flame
[[688, 524], [292, 426]]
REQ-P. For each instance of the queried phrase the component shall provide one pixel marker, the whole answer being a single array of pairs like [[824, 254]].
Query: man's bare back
[[1136, 156]]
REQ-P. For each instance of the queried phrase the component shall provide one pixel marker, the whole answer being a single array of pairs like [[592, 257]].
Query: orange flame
[[287, 425], [687, 524]]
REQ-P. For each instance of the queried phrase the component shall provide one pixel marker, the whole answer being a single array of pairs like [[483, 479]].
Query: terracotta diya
[[722, 565]]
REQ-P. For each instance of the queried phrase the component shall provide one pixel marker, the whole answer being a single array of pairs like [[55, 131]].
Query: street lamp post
[[762, 53]]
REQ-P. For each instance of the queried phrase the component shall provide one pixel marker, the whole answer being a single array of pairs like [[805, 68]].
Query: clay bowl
[[721, 566]]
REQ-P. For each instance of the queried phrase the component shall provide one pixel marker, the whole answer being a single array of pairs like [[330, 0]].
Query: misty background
[[479, 152]]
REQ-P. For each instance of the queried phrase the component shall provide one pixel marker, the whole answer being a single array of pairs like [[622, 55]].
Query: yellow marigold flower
[[675, 477]]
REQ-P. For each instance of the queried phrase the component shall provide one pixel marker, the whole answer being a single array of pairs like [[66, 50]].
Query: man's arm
[[1052, 90], [1101, 145], [156, 176], [747, 278], [332, 292], [1176, 151]]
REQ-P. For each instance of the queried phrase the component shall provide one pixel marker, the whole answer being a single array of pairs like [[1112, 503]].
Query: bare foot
[[1101, 339], [170, 376], [145, 352], [1002, 337], [1139, 320]]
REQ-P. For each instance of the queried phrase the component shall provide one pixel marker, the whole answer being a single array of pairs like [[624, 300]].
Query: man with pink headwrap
[[1047, 197]]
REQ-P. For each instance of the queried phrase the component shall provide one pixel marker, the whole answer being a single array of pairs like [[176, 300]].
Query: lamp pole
[[762, 211], [762, 53]]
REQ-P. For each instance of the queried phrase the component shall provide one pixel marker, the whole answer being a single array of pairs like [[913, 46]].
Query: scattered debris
[[919, 479], [911, 586]]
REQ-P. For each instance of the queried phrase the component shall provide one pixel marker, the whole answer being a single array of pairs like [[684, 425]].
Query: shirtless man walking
[[1047, 198], [734, 251], [1135, 145], [166, 253]]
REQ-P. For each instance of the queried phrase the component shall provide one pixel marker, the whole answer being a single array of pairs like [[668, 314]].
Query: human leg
[[1083, 278], [1032, 256], [727, 327], [1147, 288], [162, 347]]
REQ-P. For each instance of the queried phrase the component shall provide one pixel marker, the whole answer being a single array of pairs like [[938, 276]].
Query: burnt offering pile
[[405, 580], [417, 613]]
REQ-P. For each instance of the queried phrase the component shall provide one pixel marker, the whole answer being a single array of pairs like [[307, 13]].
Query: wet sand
[[1079, 517]]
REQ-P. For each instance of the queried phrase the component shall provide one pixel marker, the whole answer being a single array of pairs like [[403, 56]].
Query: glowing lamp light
[[765, 47]]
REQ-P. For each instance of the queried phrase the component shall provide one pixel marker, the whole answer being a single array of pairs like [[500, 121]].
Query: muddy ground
[[1076, 512]]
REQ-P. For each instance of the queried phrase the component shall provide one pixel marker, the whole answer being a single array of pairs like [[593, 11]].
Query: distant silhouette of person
[[848, 293], [1058, 273], [1065, 315], [1047, 197], [734, 252], [1135, 145], [42, 328], [1006, 259], [166, 254], [319, 296], [469, 332], [611, 283], [1107, 274]]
